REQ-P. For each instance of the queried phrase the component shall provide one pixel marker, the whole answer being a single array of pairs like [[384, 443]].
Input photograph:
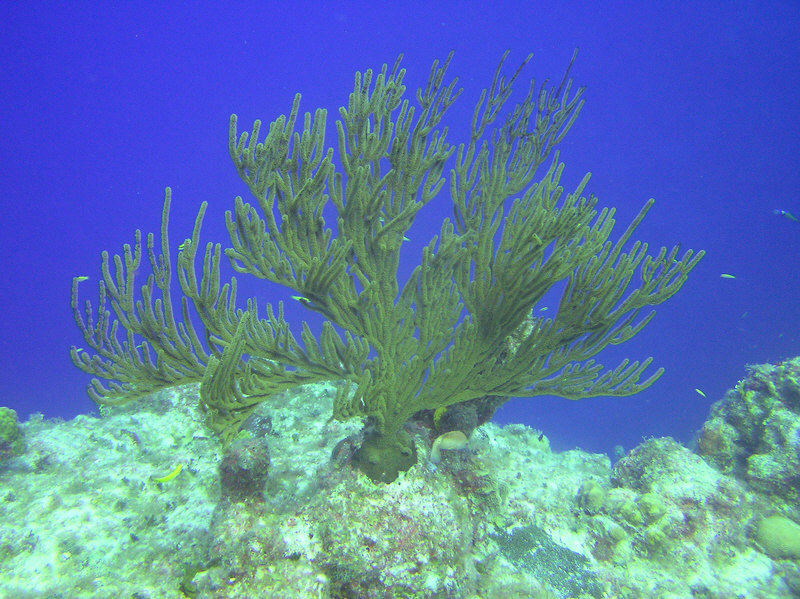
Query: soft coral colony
[[465, 326]]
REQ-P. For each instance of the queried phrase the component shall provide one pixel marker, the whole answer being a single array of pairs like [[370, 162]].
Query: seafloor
[[282, 512]]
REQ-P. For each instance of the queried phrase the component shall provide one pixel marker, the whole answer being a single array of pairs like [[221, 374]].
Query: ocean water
[[694, 105]]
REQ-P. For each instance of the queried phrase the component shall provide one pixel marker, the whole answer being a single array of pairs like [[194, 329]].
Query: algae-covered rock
[[590, 497], [630, 513], [654, 537], [754, 431], [652, 507], [244, 469], [11, 442], [532, 549]]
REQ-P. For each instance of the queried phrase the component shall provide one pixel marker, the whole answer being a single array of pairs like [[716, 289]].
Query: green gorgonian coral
[[441, 338]]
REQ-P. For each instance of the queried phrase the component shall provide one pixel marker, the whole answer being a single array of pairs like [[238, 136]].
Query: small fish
[[700, 392], [382, 220], [301, 299], [786, 214], [81, 279], [186, 243], [727, 276], [168, 477]]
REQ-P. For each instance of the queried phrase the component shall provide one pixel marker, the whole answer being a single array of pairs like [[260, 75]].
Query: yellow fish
[[167, 477]]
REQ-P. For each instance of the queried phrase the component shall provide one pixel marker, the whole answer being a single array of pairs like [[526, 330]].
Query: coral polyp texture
[[442, 337]]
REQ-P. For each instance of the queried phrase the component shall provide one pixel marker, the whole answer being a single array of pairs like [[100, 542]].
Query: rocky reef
[[753, 433], [88, 503]]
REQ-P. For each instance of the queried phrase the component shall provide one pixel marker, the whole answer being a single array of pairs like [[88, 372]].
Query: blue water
[[695, 106]]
